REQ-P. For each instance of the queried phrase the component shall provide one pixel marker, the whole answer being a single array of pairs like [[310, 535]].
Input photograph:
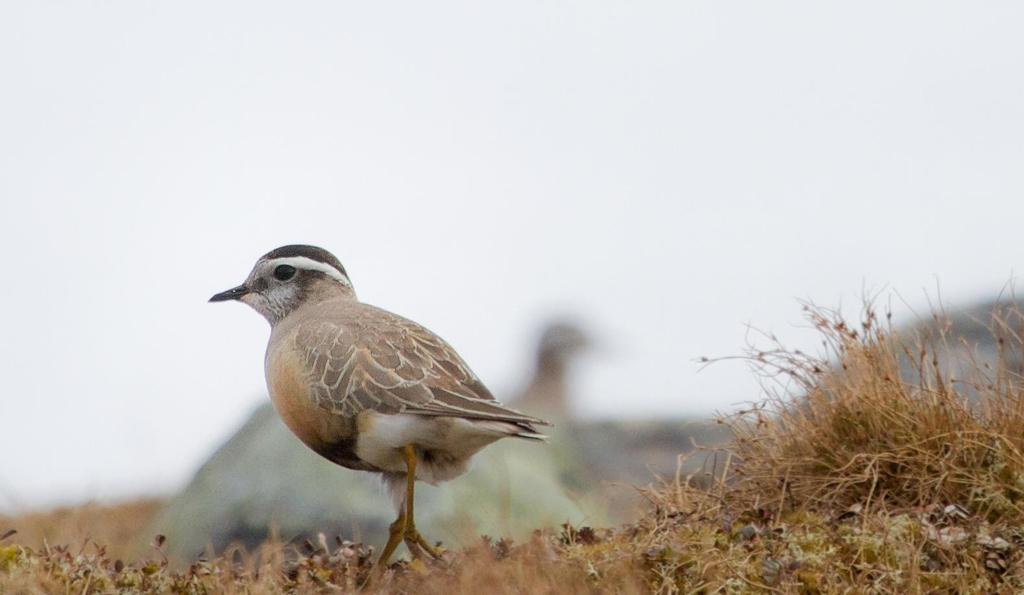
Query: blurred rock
[[263, 481], [990, 334]]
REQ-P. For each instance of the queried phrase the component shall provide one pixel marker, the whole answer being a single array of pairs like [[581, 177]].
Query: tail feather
[[528, 432], [511, 429]]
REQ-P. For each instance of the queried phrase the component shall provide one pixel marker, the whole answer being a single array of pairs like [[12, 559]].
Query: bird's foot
[[416, 544]]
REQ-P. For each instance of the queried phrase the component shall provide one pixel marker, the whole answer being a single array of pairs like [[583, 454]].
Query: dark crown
[[312, 252]]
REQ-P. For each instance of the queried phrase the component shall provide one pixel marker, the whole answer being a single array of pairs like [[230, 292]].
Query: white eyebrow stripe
[[302, 262]]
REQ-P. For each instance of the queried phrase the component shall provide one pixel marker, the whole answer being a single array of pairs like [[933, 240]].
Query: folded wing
[[383, 362]]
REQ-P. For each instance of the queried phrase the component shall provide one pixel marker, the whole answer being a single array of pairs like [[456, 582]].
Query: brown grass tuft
[[880, 420]]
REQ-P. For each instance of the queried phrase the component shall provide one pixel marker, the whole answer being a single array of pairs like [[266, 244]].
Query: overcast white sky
[[666, 172]]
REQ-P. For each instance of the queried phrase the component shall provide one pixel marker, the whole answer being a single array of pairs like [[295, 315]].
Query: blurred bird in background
[[548, 393]]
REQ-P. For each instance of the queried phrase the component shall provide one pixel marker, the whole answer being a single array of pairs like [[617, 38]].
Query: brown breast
[[331, 436]]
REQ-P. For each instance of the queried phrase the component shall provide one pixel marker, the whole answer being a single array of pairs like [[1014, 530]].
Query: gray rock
[[263, 481], [973, 345]]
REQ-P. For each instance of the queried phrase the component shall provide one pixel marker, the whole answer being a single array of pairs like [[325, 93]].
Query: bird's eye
[[284, 272]]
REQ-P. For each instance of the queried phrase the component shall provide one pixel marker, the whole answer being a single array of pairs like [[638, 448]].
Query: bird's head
[[288, 277], [560, 342]]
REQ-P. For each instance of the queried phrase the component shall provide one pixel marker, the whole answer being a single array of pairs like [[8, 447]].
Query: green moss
[[10, 556]]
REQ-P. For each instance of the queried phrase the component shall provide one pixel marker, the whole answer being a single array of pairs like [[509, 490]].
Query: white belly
[[443, 445]]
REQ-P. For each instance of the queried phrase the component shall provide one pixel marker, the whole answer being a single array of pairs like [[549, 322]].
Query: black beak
[[232, 294]]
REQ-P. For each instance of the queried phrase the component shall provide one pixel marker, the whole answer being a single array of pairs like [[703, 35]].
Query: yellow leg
[[413, 539], [404, 527], [396, 532]]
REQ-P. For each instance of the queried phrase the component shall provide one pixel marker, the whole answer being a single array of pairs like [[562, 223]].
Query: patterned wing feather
[[380, 361]]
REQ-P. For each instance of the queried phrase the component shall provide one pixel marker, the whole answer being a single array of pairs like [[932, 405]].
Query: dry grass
[[879, 420], [116, 525], [870, 469], [563, 563]]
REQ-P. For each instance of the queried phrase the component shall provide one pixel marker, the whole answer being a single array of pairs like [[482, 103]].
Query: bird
[[368, 389], [547, 393]]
